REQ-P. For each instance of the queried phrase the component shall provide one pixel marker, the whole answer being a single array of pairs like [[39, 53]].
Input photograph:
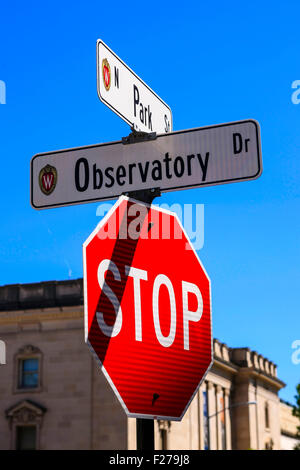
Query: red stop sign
[[147, 309]]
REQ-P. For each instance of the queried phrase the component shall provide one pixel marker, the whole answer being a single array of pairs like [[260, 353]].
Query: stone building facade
[[54, 396], [288, 425]]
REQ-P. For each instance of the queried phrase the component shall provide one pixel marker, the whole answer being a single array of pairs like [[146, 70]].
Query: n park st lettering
[[143, 112], [140, 109], [144, 171], [106, 76]]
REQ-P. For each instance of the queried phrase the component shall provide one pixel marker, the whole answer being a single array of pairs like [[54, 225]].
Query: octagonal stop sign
[[147, 309]]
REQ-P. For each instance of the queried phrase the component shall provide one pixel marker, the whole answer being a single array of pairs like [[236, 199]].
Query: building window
[[269, 444], [164, 428], [205, 418], [25, 422], [267, 417], [26, 437], [28, 373], [164, 439], [222, 421], [28, 368]]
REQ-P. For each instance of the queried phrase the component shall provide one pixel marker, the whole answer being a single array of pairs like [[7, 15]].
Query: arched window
[[267, 416], [164, 429], [25, 421]]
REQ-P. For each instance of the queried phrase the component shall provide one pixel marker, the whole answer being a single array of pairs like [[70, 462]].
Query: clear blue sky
[[211, 63]]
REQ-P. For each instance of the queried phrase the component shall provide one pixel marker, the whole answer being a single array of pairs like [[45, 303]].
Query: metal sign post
[[144, 427], [145, 434]]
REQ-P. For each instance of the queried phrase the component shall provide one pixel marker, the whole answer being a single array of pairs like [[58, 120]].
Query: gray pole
[[144, 427], [145, 434]]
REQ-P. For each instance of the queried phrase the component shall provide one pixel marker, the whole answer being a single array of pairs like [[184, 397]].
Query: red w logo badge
[[106, 74], [48, 179]]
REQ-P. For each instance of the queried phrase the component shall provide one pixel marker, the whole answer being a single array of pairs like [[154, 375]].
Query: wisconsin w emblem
[[106, 74], [48, 179]]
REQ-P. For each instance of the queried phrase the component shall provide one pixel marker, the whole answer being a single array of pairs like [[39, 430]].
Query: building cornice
[[41, 295], [274, 381], [39, 315], [289, 434], [228, 366]]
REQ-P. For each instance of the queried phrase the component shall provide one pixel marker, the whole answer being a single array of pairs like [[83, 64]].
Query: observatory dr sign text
[[192, 158]]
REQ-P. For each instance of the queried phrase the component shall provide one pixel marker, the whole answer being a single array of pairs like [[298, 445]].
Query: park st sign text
[[128, 95]]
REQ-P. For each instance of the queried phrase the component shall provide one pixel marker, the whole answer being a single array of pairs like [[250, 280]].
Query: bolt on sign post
[[147, 309]]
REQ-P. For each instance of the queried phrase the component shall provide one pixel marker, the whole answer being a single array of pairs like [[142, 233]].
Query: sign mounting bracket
[[143, 195], [138, 136]]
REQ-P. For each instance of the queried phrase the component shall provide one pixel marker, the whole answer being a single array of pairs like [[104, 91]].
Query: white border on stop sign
[[85, 244]]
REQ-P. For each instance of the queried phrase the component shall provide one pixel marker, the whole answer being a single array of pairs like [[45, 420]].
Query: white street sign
[[192, 158], [128, 96]]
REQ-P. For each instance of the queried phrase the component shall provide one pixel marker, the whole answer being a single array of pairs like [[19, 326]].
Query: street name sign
[[128, 96], [205, 156], [147, 312]]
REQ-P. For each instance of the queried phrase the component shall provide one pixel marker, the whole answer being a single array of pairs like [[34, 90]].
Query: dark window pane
[[267, 420], [30, 365], [222, 420], [26, 438], [164, 439], [29, 373], [206, 420], [30, 380]]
